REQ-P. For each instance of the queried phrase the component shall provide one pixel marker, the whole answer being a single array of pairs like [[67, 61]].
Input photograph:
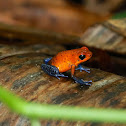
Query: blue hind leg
[[51, 70], [81, 81]]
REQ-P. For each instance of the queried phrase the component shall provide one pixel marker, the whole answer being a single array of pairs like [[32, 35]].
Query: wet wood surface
[[56, 26], [22, 74]]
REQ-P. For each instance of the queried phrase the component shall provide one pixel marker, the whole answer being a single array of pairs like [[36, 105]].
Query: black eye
[[82, 57]]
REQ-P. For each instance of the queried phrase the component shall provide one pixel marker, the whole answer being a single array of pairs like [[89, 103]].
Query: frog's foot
[[47, 60], [52, 71], [81, 81], [81, 68], [59, 75]]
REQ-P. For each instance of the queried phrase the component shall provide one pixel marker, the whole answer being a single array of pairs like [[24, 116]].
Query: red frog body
[[67, 60]]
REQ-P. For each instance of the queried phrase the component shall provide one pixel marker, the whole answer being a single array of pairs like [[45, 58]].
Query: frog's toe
[[78, 69], [82, 82], [87, 70], [57, 77], [61, 75], [82, 68]]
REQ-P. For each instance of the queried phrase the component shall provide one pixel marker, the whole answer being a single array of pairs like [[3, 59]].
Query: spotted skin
[[67, 60]]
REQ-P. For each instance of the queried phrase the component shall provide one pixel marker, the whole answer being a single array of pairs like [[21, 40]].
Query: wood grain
[[22, 75], [105, 38]]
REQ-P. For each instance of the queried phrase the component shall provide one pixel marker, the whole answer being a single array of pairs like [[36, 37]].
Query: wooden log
[[22, 34], [117, 25], [22, 75], [11, 50], [102, 37], [109, 37], [58, 16]]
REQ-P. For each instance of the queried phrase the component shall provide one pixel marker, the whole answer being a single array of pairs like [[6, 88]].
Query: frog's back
[[63, 60]]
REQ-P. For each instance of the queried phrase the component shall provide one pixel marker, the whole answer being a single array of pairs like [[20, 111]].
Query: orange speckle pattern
[[69, 59]]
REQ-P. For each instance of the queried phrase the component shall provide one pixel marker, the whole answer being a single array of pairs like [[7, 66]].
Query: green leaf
[[119, 15], [35, 111]]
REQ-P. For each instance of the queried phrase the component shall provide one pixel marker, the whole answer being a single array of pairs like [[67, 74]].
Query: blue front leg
[[47, 60], [82, 68], [51, 70], [81, 82]]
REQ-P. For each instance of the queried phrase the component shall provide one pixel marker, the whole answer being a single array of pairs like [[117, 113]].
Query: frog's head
[[84, 54]]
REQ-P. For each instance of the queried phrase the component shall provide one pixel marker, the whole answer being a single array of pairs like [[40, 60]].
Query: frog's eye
[[82, 57]]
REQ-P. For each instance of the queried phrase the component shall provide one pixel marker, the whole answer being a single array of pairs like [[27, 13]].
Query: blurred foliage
[[56, 112], [119, 15]]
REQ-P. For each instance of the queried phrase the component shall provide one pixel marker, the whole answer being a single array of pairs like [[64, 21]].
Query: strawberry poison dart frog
[[66, 60]]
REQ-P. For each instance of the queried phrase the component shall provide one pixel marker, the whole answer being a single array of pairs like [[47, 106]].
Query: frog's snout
[[89, 54]]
